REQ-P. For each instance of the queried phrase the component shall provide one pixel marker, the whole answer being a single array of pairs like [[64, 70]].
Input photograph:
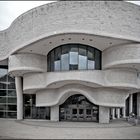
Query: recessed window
[[74, 57]]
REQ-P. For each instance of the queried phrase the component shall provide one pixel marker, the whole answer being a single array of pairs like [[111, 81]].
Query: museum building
[[72, 61]]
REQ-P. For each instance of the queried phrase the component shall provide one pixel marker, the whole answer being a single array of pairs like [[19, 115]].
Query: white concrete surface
[[118, 113], [119, 78], [103, 114], [96, 18], [19, 91], [100, 96], [113, 113], [28, 129], [54, 115], [20, 64], [130, 103], [124, 111], [138, 104]]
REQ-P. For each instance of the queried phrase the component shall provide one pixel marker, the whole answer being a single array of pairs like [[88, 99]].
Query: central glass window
[[74, 57]]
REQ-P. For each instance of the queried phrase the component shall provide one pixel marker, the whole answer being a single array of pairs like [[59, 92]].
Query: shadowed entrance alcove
[[78, 108]]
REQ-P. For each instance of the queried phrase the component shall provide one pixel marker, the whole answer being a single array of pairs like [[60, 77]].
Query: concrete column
[[113, 113], [54, 113], [130, 103], [103, 114], [124, 114], [138, 104], [118, 113], [18, 82]]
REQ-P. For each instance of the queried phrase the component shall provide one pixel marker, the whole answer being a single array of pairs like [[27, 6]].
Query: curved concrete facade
[[102, 18], [24, 63], [99, 96], [113, 27], [122, 79]]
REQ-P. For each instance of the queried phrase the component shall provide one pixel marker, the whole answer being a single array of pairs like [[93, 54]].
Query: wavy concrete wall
[[123, 79], [99, 96], [122, 56], [20, 64], [111, 19]]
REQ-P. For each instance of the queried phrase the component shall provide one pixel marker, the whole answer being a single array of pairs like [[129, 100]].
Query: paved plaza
[[39, 129]]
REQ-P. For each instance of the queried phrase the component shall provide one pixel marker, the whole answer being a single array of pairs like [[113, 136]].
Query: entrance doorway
[[78, 108]]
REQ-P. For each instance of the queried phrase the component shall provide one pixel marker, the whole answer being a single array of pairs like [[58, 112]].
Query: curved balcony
[[121, 79], [20, 64], [122, 56]]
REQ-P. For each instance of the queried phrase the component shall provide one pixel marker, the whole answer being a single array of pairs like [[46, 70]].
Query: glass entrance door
[[78, 108]]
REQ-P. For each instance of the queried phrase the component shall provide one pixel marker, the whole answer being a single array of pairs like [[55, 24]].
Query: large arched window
[[74, 57]]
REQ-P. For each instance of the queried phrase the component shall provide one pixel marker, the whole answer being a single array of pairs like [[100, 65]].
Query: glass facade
[[33, 112], [74, 57], [8, 100]]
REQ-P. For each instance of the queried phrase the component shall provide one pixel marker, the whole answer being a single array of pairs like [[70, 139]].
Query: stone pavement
[[37, 129]]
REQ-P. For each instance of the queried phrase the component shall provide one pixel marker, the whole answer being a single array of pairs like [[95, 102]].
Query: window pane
[[27, 99], [52, 61], [2, 92], [74, 58], [2, 114], [65, 58], [82, 62], [90, 53], [12, 100], [82, 50], [3, 74], [11, 79], [82, 57], [57, 65], [57, 59], [97, 60], [2, 106], [65, 61], [2, 99], [74, 55], [73, 67], [88, 111], [91, 64], [49, 62], [12, 107], [11, 86], [11, 92], [2, 85], [12, 115]]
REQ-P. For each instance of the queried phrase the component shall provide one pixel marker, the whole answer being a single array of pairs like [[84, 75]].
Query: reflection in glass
[[3, 74], [2, 85], [74, 57], [2, 99], [2, 92], [82, 62], [2, 114], [11, 92], [91, 64], [2, 107], [12, 100], [11, 115], [65, 61], [12, 107], [97, 59], [57, 65], [7, 104], [11, 86]]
